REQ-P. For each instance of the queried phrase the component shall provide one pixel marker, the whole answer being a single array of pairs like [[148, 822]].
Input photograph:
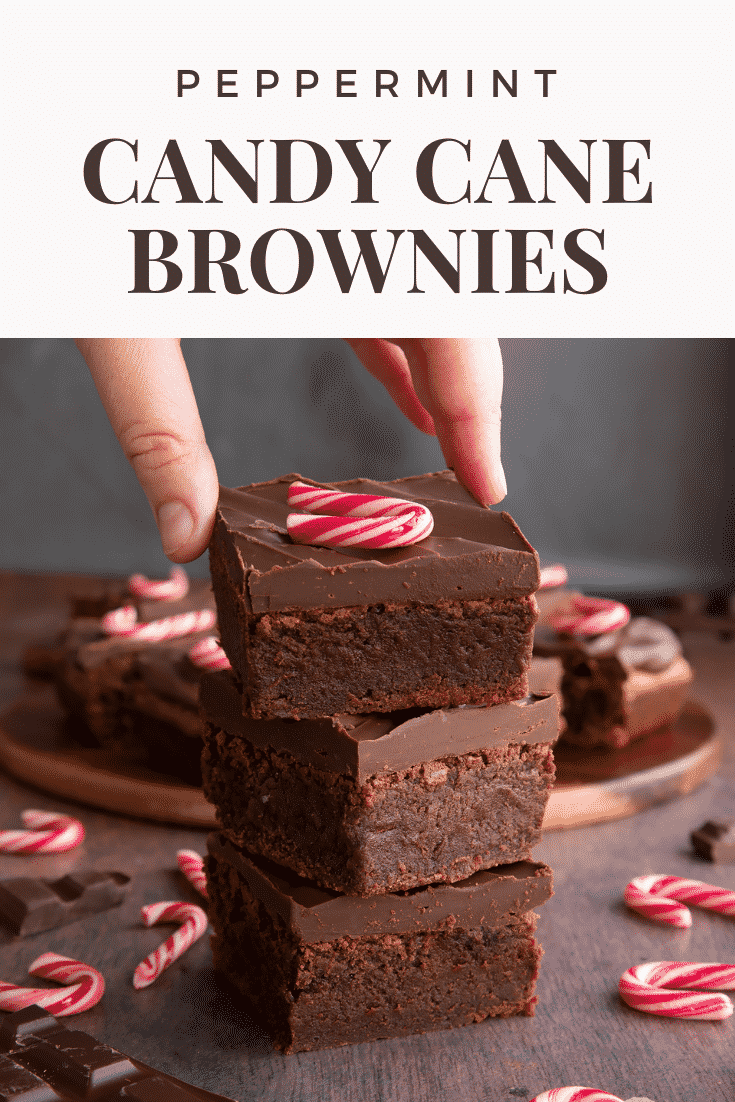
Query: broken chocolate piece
[[43, 1061], [29, 905], [715, 841]]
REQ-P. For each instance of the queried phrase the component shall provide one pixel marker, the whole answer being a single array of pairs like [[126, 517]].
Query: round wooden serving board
[[37, 746]]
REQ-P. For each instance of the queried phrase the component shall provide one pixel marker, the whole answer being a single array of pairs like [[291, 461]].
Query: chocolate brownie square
[[323, 969], [614, 687], [139, 698], [376, 803], [315, 631]]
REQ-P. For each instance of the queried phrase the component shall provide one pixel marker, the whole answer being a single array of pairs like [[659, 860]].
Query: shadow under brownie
[[324, 969], [314, 631], [369, 804]]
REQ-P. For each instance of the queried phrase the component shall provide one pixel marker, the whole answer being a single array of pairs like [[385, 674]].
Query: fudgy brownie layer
[[378, 659], [353, 989], [139, 699], [313, 631], [435, 821]]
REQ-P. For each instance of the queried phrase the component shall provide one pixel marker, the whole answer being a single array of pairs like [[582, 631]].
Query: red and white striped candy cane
[[654, 896], [576, 1094], [192, 866], [591, 616], [123, 622], [644, 988], [173, 588], [88, 989], [194, 925], [207, 654], [380, 522], [553, 575], [47, 832]]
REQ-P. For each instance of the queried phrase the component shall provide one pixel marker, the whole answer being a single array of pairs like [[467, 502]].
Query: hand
[[449, 388]]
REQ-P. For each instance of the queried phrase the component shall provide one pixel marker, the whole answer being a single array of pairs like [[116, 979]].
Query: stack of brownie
[[379, 772], [137, 698]]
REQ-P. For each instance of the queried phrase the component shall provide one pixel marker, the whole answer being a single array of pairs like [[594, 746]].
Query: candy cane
[[652, 896], [576, 1094], [51, 966], [641, 987], [552, 576], [382, 522], [194, 925], [123, 622], [61, 834], [591, 616], [207, 654], [192, 866], [173, 589]]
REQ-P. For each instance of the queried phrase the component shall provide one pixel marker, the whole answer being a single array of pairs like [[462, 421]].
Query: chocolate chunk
[[29, 905], [715, 841], [43, 1061]]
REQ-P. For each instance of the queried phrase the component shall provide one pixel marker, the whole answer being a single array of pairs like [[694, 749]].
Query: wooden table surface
[[187, 1025]]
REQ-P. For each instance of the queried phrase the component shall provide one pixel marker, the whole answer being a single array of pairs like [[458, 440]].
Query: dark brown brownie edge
[[353, 989], [435, 821], [379, 658]]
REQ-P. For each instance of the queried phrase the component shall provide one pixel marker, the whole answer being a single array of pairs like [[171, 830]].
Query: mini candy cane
[[652, 896], [207, 654], [382, 522], [192, 866], [173, 589], [552, 576], [576, 1094], [194, 925], [641, 987], [122, 622], [61, 834], [51, 966], [591, 616]]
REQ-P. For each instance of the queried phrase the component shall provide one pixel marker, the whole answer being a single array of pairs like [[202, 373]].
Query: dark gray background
[[618, 453]]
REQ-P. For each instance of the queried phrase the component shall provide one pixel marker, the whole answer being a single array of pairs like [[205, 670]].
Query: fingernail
[[497, 485], [176, 525]]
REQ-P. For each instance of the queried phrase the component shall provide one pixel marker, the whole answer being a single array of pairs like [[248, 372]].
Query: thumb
[[145, 388]]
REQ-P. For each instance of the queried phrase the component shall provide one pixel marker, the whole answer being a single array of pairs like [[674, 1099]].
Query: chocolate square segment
[[376, 803], [327, 969], [314, 631]]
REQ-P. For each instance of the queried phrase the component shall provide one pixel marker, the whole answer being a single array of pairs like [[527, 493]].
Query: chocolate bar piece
[[316, 631], [41, 1060], [376, 803], [29, 905], [715, 840], [325, 969]]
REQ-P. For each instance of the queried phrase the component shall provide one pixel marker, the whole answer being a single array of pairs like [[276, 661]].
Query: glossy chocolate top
[[361, 746], [472, 553], [487, 898]]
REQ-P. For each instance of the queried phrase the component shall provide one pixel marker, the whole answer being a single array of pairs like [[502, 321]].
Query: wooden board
[[596, 786], [37, 746]]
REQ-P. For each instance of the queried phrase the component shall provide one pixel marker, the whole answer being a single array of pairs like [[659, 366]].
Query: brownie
[[376, 803], [138, 698], [614, 688], [323, 969], [315, 631]]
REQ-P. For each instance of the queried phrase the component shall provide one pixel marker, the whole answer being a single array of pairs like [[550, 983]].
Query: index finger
[[460, 384], [145, 388]]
